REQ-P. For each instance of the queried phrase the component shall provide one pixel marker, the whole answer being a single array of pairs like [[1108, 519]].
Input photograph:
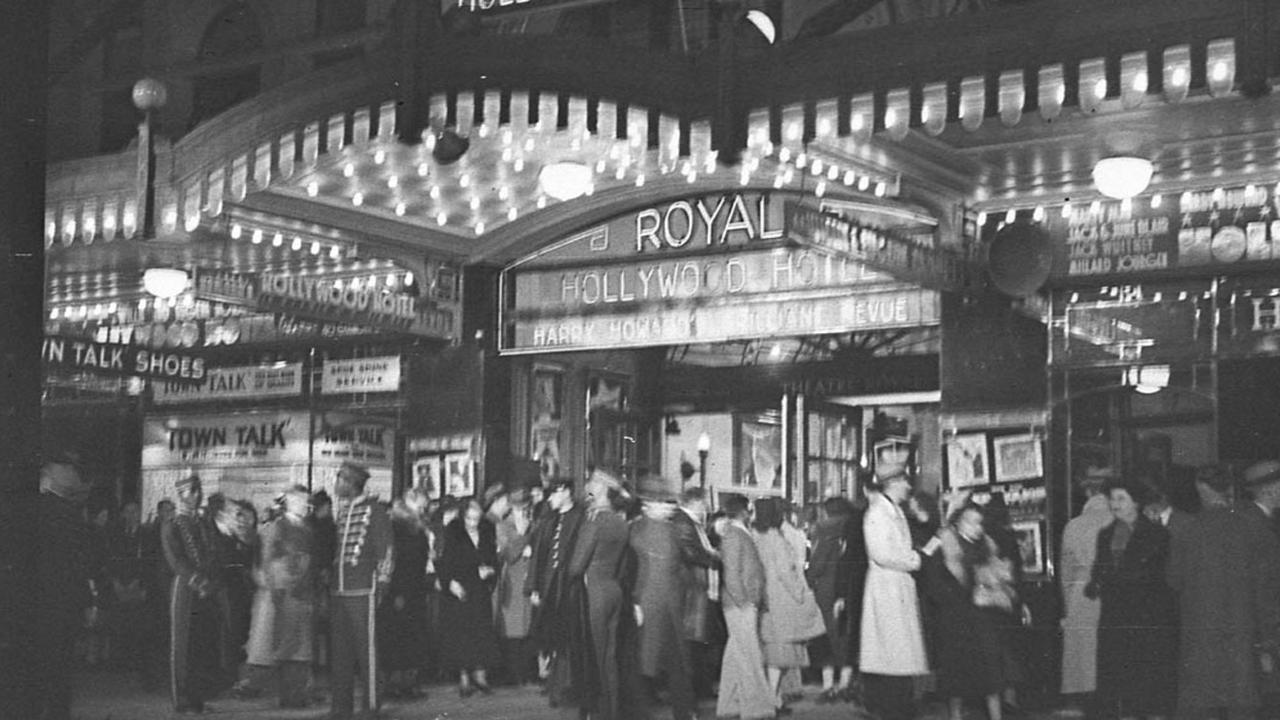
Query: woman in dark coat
[[828, 576], [1137, 644], [468, 572], [968, 585], [403, 625]]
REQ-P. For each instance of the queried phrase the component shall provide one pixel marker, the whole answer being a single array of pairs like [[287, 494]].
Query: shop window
[[233, 34]]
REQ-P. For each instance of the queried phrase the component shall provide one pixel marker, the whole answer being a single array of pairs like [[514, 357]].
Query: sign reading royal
[[326, 300], [230, 383], [687, 226]]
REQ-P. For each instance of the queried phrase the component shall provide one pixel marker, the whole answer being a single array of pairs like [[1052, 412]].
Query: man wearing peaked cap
[[363, 560], [196, 598]]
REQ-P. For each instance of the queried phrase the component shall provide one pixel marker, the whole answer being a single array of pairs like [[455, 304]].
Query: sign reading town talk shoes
[[324, 300], [78, 354]]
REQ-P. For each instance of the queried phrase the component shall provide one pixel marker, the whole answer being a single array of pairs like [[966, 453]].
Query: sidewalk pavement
[[113, 696]]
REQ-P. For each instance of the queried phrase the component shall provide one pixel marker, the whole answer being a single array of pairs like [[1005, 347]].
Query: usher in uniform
[[362, 561], [196, 609]]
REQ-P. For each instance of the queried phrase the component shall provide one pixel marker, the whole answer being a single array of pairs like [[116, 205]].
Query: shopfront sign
[[715, 276], [363, 375], [1214, 229], [694, 225], [908, 257], [347, 436], [330, 301], [736, 319], [231, 383], [77, 354], [498, 6]]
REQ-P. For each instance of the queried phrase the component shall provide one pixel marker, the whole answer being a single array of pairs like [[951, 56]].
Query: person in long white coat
[[1080, 616], [892, 650]]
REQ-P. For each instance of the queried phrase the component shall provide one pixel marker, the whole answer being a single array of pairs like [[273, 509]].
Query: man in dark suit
[[697, 557], [556, 597], [62, 583]]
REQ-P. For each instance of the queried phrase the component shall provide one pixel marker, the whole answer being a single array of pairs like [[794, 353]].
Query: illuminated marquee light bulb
[[833, 173], [864, 182], [784, 155], [519, 165], [817, 166], [1010, 216], [348, 170], [512, 214], [691, 177], [1100, 88], [1140, 82], [801, 160], [357, 199], [504, 193], [982, 218], [335, 252], [393, 182], [620, 173], [296, 245], [464, 181], [1156, 200], [423, 169], [1220, 72], [236, 231], [400, 209], [820, 189], [434, 192], [315, 247], [601, 165], [441, 219], [744, 177], [881, 189], [1038, 215], [640, 180], [380, 157], [277, 240], [480, 228], [408, 278], [850, 177], [256, 236], [474, 203], [857, 122], [1066, 210], [542, 200]]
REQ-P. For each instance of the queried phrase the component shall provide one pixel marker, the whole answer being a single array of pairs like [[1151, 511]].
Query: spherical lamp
[[164, 283], [1122, 176]]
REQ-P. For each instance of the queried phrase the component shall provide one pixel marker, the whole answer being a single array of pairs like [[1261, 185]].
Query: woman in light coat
[[791, 615], [892, 648]]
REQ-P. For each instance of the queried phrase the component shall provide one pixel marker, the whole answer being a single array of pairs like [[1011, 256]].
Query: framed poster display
[[757, 458], [546, 409], [1030, 546], [459, 474], [1017, 457], [967, 460], [426, 475]]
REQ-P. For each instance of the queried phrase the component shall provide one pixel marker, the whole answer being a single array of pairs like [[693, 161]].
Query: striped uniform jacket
[[365, 550]]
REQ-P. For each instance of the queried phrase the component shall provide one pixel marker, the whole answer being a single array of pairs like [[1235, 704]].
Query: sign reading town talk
[[324, 300], [1212, 229], [701, 269], [229, 383]]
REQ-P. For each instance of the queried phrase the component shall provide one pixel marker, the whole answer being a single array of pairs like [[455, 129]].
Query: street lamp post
[[704, 448]]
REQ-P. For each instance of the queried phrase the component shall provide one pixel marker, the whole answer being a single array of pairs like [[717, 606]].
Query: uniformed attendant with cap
[[195, 600], [363, 561]]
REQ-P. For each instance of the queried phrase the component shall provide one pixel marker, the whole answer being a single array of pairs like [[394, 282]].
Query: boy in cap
[[363, 561]]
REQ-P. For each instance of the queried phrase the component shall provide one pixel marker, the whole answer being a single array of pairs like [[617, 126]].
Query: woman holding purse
[[969, 585]]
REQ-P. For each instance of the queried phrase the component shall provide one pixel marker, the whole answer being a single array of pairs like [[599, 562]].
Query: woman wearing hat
[[468, 573], [1136, 641]]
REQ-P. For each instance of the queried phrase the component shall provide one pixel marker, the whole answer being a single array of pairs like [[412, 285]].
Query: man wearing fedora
[[196, 600], [363, 561], [1082, 613], [1225, 570]]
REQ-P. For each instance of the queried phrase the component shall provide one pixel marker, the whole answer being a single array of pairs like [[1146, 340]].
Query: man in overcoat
[[558, 600], [744, 689], [660, 595], [1225, 570], [1080, 620], [62, 584], [697, 559]]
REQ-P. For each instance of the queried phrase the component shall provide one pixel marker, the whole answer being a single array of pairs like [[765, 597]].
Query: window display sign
[[362, 375], [330, 300], [230, 383], [1214, 229], [741, 319], [444, 465]]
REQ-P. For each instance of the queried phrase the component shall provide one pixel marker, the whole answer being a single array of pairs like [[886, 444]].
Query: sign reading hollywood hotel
[[700, 269]]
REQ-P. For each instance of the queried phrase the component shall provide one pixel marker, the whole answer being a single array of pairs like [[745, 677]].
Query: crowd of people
[[617, 601]]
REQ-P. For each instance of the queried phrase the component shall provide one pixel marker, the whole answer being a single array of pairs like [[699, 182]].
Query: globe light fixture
[[764, 24], [565, 180], [164, 283], [1147, 379], [1122, 176]]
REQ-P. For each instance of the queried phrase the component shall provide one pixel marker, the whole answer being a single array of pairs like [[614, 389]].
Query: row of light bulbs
[[1254, 195]]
